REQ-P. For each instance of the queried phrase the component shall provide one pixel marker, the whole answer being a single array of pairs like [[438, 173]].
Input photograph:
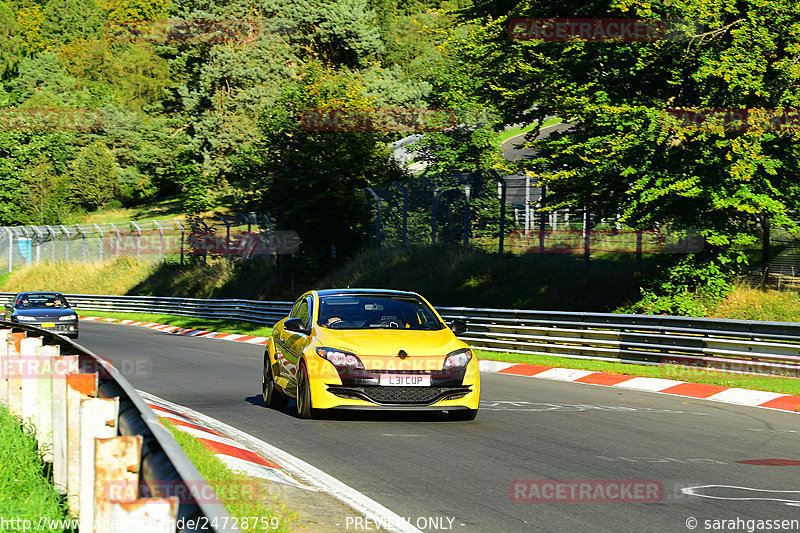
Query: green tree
[[625, 157], [94, 177]]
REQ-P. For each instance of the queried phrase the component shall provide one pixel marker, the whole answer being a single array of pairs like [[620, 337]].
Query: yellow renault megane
[[369, 348]]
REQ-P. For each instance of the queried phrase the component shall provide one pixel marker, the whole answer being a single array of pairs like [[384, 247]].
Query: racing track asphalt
[[423, 465]]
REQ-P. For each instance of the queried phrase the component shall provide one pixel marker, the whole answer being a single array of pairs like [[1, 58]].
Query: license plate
[[404, 380], [48, 325]]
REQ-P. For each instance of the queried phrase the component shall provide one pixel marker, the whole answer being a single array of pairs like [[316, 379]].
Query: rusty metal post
[[14, 377], [79, 386], [28, 378], [62, 366], [98, 417], [4, 333], [154, 515], [44, 400], [116, 477]]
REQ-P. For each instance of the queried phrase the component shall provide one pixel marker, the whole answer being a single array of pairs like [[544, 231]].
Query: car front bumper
[[330, 392]]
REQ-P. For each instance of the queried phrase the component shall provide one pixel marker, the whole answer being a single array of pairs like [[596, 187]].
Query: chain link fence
[[245, 234], [504, 214]]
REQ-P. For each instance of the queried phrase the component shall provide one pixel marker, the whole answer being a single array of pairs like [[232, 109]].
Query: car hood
[[44, 313], [389, 342]]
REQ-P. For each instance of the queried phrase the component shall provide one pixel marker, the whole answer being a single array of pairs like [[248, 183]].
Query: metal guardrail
[[736, 345], [164, 469]]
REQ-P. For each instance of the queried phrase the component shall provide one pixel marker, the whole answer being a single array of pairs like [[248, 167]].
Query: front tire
[[273, 397], [304, 408]]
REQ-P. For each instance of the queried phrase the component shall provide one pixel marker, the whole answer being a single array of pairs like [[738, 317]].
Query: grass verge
[[27, 496], [237, 492], [783, 385], [209, 324]]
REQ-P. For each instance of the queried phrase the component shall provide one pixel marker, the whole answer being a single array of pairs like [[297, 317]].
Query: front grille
[[400, 395]]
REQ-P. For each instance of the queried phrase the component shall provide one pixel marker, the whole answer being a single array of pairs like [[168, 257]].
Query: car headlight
[[457, 359], [68, 317], [340, 359], [23, 318]]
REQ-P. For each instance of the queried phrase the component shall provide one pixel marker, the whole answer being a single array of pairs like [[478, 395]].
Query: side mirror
[[458, 326], [295, 325]]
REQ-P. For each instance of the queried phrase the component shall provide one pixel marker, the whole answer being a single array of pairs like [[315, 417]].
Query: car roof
[[330, 292], [39, 292]]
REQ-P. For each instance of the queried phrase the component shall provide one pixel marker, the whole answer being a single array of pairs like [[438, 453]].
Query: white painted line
[[744, 396], [260, 471], [303, 471], [200, 434], [564, 374], [232, 337], [256, 340], [648, 384], [486, 365]]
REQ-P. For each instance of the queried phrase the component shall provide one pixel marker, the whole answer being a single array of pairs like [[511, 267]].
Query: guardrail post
[[62, 367], [4, 333], [159, 514], [78, 386], [44, 399], [28, 373], [98, 420], [14, 381], [116, 477]]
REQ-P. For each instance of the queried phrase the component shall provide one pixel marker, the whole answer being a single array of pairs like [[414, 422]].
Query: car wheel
[[463, 414], [304, 408], [272, 396]]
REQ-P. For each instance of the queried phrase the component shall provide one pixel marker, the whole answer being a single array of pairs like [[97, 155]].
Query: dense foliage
[[146, 98]]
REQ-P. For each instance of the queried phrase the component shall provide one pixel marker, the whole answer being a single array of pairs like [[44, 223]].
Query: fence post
[[14, 377], [160, 240], [466, 215], [4, 333], [10, 249], [102, 240], [62, 367], [638, 249], [116, 476], [586, 250], [378, 217], [178, 222], [501, 183], [28, 370], [160, 515], [765, 252], [138, 239], [404, 191], [98, 419], [44, 399], [79, 387]]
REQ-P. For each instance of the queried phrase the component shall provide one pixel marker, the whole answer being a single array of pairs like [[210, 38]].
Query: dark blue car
[[44, 309]]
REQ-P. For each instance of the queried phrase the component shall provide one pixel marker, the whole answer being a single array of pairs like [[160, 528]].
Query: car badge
[[402, 354]]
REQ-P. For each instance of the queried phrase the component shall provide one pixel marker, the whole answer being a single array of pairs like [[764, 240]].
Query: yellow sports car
[[367, 348]]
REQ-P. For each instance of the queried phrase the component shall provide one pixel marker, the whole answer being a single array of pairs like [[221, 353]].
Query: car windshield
[[359, 311], [42, 301]]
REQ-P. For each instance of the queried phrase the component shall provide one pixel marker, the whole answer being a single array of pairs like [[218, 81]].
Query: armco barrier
[[735, 345], [118, 466]]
